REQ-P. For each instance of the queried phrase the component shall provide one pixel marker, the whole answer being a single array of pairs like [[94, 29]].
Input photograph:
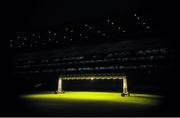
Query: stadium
[[81, 59]]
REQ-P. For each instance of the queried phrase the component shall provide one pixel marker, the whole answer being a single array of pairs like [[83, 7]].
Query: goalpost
[[92, 77]]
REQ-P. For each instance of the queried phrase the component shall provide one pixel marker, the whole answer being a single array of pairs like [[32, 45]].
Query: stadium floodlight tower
[[93, 77]]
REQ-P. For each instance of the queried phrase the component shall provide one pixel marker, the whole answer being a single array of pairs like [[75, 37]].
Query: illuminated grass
[[140, 99]]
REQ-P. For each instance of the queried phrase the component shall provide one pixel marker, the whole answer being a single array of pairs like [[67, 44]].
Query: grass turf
[[90, 103]]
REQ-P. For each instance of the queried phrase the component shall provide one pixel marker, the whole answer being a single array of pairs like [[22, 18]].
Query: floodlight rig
[[89, 77]]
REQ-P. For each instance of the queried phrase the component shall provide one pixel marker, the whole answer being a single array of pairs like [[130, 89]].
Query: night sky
[[44, 13], [40, 14], [50, 24], [32, 14]]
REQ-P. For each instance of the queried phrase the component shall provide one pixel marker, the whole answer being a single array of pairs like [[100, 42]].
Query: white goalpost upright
[[59, 86], [125, 87]]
